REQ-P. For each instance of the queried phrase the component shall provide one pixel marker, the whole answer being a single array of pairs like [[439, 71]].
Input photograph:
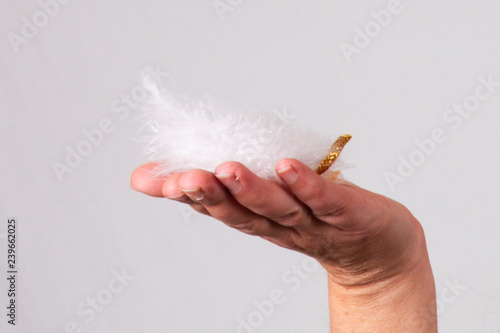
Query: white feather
[[185, 134]]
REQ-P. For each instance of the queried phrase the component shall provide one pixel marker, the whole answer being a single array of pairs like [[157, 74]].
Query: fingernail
[[194, 194], [175, 197], [230, 181], [289, 175]]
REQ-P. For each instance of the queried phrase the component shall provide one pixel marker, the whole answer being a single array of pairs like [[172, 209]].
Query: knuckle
[[294, 217], [250, 228], [287, 244], [336, 206], [170, 187], [314, 191]]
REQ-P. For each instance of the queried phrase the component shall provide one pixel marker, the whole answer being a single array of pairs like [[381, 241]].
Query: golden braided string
[[333, 154]]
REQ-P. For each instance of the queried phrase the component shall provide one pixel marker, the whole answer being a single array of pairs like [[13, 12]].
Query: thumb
[[321, 195]]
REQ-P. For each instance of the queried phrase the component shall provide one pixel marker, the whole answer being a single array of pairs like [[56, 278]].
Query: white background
[[190, 273]]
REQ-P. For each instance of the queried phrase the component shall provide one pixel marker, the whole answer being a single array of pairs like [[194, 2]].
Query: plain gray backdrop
[[68, 68]]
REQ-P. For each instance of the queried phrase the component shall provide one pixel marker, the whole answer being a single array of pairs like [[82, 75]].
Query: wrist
[[392, 250], [397, 299]]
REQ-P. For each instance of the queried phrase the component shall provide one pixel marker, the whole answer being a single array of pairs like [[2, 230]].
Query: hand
[[369, 245]]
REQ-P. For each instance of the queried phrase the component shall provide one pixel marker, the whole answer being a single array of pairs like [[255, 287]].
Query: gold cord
[[334, 153]]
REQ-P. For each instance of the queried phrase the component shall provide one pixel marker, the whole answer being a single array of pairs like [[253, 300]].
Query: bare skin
[[373, 249]]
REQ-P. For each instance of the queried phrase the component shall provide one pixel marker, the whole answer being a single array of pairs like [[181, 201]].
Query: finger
[[144, 180], [172, 191], [205, 189], [321, 195], [264, 197]]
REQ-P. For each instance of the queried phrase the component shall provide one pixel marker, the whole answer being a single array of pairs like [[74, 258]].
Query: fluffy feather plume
[[183, 134]]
